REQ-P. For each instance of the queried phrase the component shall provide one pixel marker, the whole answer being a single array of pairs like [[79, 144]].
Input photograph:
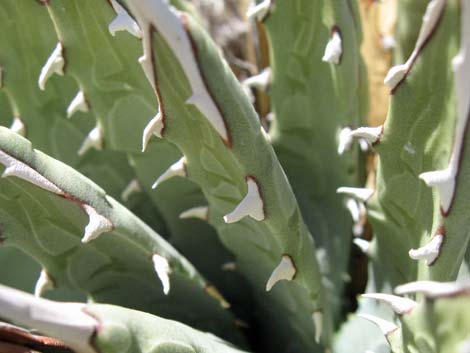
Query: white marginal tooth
[[388, 42], [132, 188], [200, 212], [385, 326], [395, 75], [229, 266], [251, 205], [353, 207], [266, 135], [194, 100], [77, 104], [23, 171], [444, 181], [259, 11], [54, 65], [363, 145], [162, 267], [284, 271], [123, 22], [360, 194], [146, 62], [270, 117], [93, 140], [430, 19], [358, 213], [345, 140], [317, 317], [206, 105], [399, 305], [249, 94], [169, 23], [67, 322], [154, 127], [260, 81], [43, 284], [430, 251], [97, 224], [358, 229], [177, 169], [18, 126], [433, 289], [244, 325], [370, 134], [214, 293], [362, 244], [334, 49]]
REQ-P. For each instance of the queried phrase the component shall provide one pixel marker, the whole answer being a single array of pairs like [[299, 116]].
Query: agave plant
[[235, 231]]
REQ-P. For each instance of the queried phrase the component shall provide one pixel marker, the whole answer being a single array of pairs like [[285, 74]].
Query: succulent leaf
[[93, 328], [218, 131], [116, 265]]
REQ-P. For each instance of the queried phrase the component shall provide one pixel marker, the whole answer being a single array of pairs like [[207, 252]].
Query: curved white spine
[[78, 104], [430, 19], [176, 169], [54, 65], [123, 22], [251, 205], [428, 252], [162, 268], [97, 224], [284, 271]]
